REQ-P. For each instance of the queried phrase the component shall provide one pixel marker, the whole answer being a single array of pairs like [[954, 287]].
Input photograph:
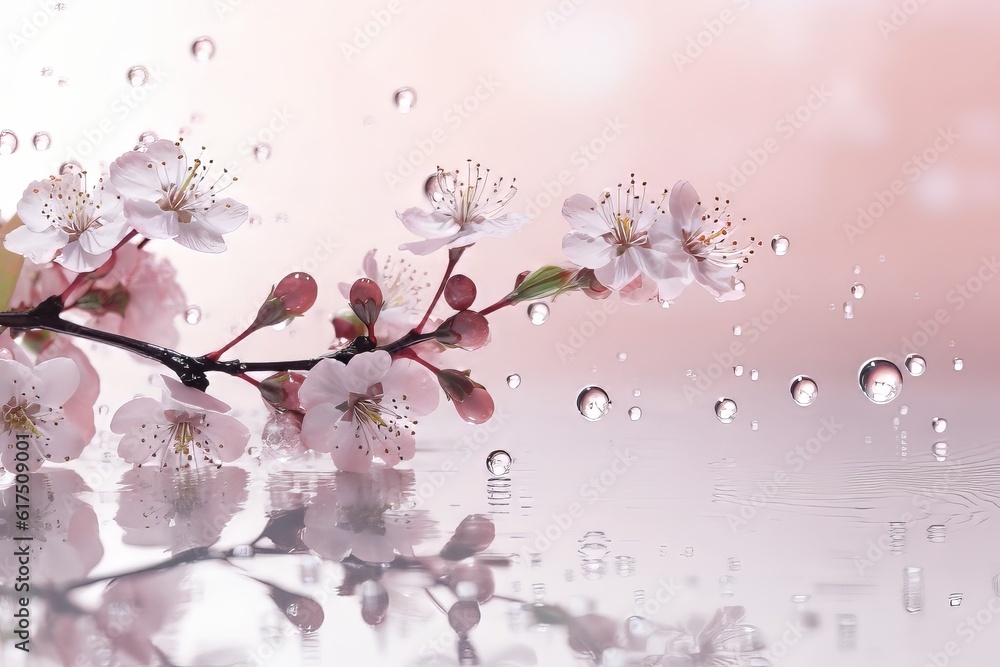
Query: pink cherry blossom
[[139, 298], [365, 408], [401, 285], [465, 211], [709, 254], [79, 408], [619, 239], [37, 282], [179, 510], [166, 198], [66, 223], [34, 406], [186, 428]]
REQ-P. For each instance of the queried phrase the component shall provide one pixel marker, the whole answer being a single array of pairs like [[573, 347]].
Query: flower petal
[[684, 205], [39, 247], [319, 426], [410, 379], [224, 216], [326, 382], [136, 412], [583, 215], [620, 271], [74, 258], [59, 380], [429, 225], [588, 251], [199, 236], [150, 220]]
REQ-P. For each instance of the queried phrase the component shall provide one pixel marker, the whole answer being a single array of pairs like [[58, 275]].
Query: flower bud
[[281, 390], [346, 325], [475, 533], [468, 330], [374, 602], [460, 292], [548, 281], [464, 615], [366, 300], [293, 296], [471, 400]]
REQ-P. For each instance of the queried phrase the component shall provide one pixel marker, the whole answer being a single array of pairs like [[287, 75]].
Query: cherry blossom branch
[[453, 256]]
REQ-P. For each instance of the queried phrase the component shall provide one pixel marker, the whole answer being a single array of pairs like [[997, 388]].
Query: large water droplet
[[881, 380], [538, 313], [959, 364], [262, 152], [137, 76], [857, 290], [498, 462], [940, 450], [203, 49], [41, 141], [725, 410], [593, 403], [8, 142], [804, 390], [514, 381], [915, 364], [192, 315], [939, 424], [404, 99], [635, 413], [779, 244]]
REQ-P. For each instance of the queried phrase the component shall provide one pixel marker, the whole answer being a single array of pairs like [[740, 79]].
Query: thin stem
[[453, 256], [214, 356], [502, 303]]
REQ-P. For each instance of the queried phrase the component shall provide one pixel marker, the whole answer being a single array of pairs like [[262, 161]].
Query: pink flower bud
[[471, 400], [460, 292], [366, 300], [281, 390], [475, 533], [468, 330], [464, 615], [346, 325], [293, 296]]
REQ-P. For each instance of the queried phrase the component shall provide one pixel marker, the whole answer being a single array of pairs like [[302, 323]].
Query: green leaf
[[10, 264]]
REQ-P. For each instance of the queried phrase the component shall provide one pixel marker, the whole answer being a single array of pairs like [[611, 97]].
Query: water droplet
[[913, 589], [754, 374], [8, 142], [936, 533], [593, 403], [951, 343], [881, 380], [804, 390], [637, 393], [41, 141], [832, 306], [635, 413], [498, 462], [940, 450], [800, 599], [857, 290], [538, 313], [903, 409], [955, 600], [192, 315], [737, 330], [203, 49], [753, 425], [622, 356], [725, 410], [103, 410], [848, 310], [779, 244], [688, 552], [959, 364], [738, 370], [262, 152], [514, 381], [137, 76], [915, 364], [70, 167], [916, 296], [857, 269], [404, 99], [939, 424], [868, 440]]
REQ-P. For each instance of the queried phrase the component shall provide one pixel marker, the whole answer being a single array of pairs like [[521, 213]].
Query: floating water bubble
[[804, 390], [203, 49], [916, 296], [593, 403], [959, 364], [635, 413], [738, 370], [513, 380], [753, 425], [404, 99], [725, 410], [592, 551], [137, 76], [754, 374], [737, 330], [538, 313], [848, 310], [262, 152], [192, 315], [41, 141], [940, 450], [857, 290], [8, 142], [939, 424], [881, 380], [779, 244], [832, 306], [636, 393], [913, 589], [903, 409], [622, 356], [498, 462], [936, 533], [857, 269], [955, 600], [915, 364]]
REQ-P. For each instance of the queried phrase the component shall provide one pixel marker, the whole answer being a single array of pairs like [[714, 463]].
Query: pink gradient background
[[557, 86]]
